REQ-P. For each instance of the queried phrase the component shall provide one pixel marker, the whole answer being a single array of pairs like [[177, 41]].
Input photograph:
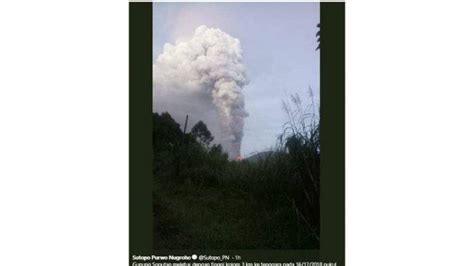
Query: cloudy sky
[[278, 44]]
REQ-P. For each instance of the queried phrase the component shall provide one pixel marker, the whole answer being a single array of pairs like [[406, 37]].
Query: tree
[[165, 130], [201, 132], [166, 138]]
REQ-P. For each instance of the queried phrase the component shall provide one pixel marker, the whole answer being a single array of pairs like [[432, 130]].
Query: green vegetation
[[204, 201]]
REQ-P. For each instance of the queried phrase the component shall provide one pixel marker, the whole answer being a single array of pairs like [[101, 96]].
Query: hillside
[[203, 200], [259, 156]]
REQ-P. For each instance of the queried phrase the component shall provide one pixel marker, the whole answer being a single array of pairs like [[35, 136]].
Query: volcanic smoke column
[[210, 65]]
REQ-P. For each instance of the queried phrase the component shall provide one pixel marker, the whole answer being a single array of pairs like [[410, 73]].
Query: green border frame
[[332, 132], [332, 246], [141, 128]]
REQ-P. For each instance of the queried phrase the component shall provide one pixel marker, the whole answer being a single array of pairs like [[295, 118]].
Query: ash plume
[[204, 77]]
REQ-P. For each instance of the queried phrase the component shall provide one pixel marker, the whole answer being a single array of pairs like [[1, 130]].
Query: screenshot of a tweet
[[236, 134]]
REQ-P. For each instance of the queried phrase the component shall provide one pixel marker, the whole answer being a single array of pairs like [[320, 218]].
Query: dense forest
[[203, 200]]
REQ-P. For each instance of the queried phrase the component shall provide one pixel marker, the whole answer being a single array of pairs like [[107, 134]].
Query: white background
[[64, 133]]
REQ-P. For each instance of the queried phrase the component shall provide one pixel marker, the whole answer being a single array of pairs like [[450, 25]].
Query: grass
[[201, 200], [223, 217]]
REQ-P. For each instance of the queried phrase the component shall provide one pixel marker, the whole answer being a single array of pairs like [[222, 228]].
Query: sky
[[278, 43]]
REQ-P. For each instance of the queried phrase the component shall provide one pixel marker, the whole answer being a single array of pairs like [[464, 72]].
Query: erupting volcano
[[209, 67]]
